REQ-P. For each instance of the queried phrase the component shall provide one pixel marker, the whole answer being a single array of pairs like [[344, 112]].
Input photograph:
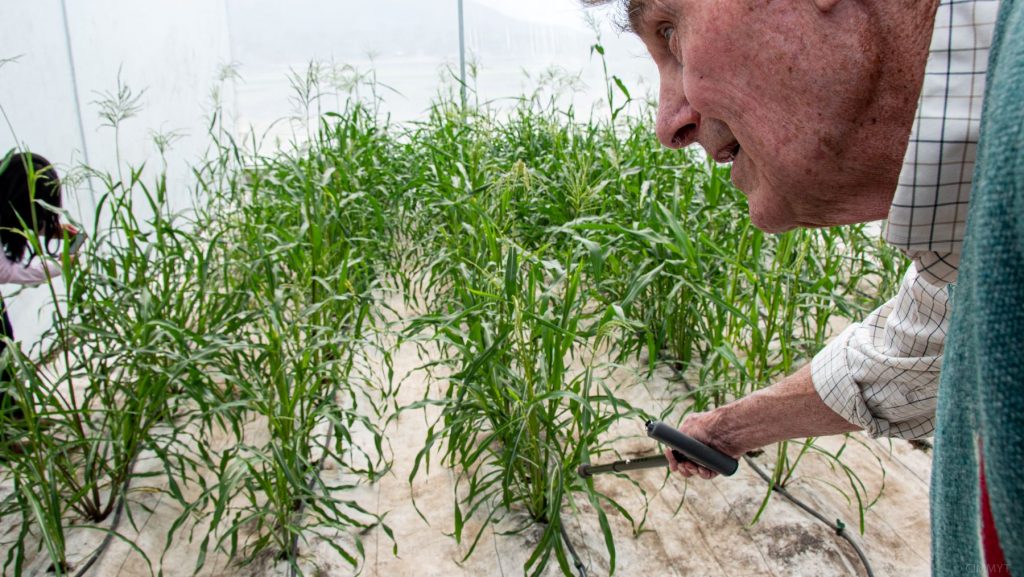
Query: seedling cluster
[[540, 251]]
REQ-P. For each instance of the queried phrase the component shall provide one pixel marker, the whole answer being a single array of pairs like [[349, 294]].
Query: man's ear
[[826, 5]]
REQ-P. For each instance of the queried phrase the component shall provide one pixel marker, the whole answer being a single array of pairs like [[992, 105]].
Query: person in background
[[843, 111], [26, 181]]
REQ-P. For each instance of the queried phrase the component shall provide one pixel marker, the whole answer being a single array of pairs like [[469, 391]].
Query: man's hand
[[789, 409], [702, 427]]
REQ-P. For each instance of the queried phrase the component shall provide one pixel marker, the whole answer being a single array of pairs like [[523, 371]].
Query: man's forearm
[[790, 409]]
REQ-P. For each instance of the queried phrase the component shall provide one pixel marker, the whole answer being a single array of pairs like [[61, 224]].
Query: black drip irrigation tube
[[118, 511], [311, 483], [839, 527], [295, 539], [576, 561]]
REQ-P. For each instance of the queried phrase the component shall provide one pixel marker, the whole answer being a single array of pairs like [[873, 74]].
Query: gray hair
[[629, 11]]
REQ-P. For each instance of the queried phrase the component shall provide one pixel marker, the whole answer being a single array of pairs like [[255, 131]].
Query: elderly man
[[835, 112]]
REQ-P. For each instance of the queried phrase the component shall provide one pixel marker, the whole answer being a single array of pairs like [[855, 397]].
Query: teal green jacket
[[981, 394]]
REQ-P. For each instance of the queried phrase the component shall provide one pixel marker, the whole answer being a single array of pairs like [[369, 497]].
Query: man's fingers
[[688, 468], [673, 465], [684, 468], [691, 469], [681, 467]]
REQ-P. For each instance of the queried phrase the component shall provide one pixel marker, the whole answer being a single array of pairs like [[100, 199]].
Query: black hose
[[113, 523], [839, 527], [313, 476], [124, 494], [572, 551]]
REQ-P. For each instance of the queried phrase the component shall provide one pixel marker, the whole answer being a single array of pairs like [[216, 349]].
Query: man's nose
[[678, 123]]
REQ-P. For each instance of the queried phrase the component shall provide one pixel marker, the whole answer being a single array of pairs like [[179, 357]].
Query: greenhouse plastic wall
[[169, 52], [62, 57]]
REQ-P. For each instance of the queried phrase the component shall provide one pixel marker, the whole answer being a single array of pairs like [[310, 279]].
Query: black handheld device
[[686, 448]]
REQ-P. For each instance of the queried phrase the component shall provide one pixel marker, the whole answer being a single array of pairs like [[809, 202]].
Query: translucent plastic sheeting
[[182, 59], [411, 49], [167, 53]]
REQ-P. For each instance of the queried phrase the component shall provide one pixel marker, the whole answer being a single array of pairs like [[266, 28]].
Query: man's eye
[[667, 32]]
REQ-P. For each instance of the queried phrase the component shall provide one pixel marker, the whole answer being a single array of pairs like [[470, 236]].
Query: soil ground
[[694, 528]]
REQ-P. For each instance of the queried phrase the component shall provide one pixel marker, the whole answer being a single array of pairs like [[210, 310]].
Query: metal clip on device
[[684, 448]]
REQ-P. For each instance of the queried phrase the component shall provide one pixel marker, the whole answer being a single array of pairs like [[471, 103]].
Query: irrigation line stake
[[78, 102], [462, 52]]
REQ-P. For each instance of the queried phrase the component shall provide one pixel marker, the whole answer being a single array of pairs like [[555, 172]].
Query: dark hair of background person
[[16, 205]]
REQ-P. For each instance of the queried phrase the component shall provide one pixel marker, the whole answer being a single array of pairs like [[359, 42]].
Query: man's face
[[789, 93]]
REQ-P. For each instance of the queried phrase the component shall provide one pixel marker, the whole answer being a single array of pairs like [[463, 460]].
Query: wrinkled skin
[[812, 101], [818, 96]]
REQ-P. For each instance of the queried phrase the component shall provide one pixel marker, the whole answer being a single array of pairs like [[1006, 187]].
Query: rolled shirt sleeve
[[882, 374]]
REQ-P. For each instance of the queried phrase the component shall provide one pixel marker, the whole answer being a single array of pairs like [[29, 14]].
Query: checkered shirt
[[883, 373]]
